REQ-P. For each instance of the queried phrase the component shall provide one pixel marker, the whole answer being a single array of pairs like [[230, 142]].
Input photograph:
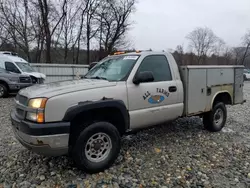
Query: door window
[[11, 67], [158, 65]]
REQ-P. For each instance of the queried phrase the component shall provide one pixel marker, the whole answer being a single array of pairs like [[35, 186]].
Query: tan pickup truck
[[86, 118]]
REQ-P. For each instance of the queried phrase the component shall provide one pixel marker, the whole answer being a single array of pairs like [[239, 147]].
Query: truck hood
[[58, 88], [36, 74]]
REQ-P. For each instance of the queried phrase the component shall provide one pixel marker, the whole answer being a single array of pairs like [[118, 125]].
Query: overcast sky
[[163, 24]]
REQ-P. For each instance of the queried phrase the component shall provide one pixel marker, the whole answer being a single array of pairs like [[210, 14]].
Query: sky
[[164, 24]]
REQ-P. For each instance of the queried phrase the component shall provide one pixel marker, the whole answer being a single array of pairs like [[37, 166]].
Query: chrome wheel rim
[[1, 91], [98, 147], [218, 117]]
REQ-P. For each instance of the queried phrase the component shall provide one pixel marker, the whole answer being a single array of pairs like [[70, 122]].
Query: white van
[[12, 63]]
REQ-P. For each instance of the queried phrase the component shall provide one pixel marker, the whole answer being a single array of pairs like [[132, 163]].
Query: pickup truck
[[12, 83], [86, 118]]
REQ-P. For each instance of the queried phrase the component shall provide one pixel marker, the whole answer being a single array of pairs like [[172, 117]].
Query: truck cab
[[12, 63]]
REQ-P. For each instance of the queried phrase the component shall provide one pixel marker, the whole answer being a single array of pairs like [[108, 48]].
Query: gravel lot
[[181, 154]]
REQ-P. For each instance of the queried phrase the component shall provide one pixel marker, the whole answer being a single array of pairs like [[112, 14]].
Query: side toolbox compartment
[[194, 82], [203, 83], [238, 86]]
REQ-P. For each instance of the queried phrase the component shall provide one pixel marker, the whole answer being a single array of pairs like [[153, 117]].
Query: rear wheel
[[3, 91], [215, 120], [97, 147]]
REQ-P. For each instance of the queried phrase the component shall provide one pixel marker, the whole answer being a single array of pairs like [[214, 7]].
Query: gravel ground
[[180, 154]]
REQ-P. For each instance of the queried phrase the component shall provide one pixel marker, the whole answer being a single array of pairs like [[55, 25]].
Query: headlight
[[36, 117], [32, 116], [38, 103]]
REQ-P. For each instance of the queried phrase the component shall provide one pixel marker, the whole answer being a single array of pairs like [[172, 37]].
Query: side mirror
[[145, 76]]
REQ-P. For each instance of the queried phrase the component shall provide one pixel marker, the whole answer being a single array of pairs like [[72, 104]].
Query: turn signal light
[[40, 117]]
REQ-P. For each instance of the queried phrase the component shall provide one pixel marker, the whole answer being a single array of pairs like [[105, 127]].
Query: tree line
[[205, 47], [48, 30], [83, 31]]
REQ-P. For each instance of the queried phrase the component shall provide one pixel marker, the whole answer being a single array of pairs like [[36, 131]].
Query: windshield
[[25, 67], [3, 70], [114, 68]]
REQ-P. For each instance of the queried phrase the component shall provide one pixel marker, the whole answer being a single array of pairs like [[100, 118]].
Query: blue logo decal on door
[[156, 99]]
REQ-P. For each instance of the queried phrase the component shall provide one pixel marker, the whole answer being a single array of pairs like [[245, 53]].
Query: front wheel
[[215, 120], [3, 91], [97, 147]]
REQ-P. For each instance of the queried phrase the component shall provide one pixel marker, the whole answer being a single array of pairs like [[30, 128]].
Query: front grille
[[25, 80], [22, 99]]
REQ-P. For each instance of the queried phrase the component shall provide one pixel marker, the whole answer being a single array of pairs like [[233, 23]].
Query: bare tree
[[246, 42], [203, 41], [4, 35], [46, 11], [241, 53], [63, 28], [114, 19], [39, 35], [66, 33], [91, 27], [237, 54], [178, 54], [17, 20], [82, 13], [228, 55], [219, 48]]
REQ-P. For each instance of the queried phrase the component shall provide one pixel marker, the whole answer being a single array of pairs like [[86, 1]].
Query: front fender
[[82, 107]]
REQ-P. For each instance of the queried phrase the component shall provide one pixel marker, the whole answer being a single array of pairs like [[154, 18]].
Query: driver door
[[157, 101]]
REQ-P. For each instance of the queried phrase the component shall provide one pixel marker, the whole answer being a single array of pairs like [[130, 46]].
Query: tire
[[215, 120], [3, 91], [245, 78], [83, 154]]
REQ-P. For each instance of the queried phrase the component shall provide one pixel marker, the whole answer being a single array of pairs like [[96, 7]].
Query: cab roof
[[12, 58], [140, 53]]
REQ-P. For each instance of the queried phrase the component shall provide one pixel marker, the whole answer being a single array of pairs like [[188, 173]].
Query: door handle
[[172, 89]]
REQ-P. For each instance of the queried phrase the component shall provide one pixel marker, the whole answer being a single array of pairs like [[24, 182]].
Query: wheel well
[[108, 114], [223, 97], [4, 83]]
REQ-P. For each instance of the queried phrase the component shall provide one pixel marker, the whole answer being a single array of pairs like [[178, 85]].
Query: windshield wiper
[[98, 77]]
